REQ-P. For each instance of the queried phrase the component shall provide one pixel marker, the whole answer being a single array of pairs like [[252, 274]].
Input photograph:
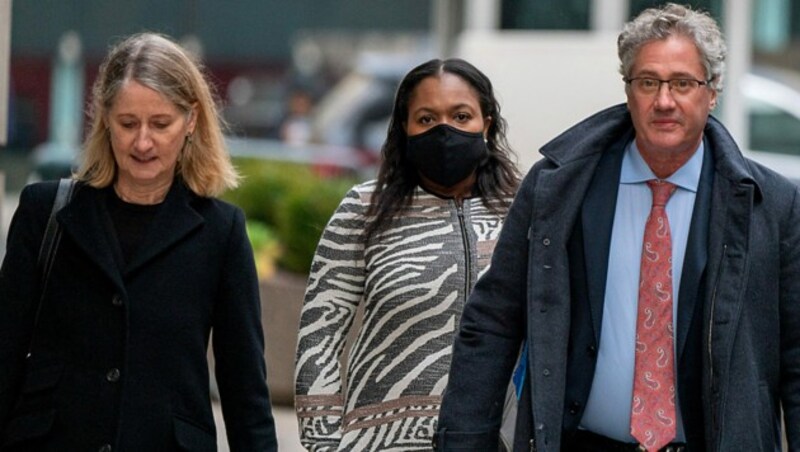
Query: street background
[[310, 84]]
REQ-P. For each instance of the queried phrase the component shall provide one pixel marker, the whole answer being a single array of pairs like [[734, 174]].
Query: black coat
[[119, 354]]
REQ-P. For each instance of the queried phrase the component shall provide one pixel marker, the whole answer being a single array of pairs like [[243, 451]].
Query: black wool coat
[[119, 353]]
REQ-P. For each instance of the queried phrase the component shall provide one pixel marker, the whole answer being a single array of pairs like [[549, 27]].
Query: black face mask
[[446, 155]]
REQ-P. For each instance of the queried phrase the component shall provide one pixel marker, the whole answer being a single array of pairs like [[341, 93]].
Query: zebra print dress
[[411, 281]]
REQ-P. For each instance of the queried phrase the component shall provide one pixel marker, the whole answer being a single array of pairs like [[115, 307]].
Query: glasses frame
[[669, 82]]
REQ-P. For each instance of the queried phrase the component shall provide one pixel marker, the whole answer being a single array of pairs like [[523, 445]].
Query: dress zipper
[[467, 254]]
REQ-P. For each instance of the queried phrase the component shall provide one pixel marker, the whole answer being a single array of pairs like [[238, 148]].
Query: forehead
[[134, 96], [441, 90], [676, 54]]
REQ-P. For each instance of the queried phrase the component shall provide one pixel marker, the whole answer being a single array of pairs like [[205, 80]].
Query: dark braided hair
[[497, 176]]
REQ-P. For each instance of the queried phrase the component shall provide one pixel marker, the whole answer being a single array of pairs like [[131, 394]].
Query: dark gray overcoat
[[741, 338]]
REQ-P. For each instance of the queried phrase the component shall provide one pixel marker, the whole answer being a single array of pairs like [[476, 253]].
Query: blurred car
[[356, 111], [324, 159], [349, 125], [772, 99]]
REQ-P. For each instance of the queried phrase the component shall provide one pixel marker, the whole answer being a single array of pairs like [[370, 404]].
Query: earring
[[189, 138]]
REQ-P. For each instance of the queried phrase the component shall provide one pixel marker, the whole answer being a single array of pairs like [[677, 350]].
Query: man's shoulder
[[769, 180], [592, 135]]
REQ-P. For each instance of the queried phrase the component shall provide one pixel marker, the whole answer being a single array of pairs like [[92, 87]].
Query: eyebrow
[[674, 75], [460, 106], [156, 117]]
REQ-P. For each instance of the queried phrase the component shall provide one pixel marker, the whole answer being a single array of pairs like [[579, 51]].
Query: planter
[[281, 303]]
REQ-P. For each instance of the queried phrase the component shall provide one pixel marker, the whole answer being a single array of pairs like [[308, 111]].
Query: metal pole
[[447, 19], [482, 15], [5, 58], [738, 31], [608, 15]]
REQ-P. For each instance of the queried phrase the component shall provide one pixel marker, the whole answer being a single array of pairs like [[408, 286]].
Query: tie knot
[[662, 190]]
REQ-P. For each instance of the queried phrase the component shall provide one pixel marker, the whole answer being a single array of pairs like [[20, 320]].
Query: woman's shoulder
[[215, 209], [367, 187], [39, 191], [41, 195], [360, 193]]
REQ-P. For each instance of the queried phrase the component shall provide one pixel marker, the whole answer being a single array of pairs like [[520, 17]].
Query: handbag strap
[[50, 241], [52, 233]]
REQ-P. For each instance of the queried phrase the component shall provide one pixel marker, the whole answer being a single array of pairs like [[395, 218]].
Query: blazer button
[[113, 376], [546, 242], [573, 407], [117, 301], [104, 448]]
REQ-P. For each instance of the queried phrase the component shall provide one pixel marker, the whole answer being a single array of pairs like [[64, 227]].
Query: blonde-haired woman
[[147, 266]]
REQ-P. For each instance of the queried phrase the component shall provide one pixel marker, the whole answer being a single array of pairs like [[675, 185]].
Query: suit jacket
[[119, 352], [738, 331]]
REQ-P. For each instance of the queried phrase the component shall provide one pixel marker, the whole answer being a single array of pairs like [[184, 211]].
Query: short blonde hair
[[160, 64]]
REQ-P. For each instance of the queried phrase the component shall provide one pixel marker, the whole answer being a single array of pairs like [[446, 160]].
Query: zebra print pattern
[[411, 282]]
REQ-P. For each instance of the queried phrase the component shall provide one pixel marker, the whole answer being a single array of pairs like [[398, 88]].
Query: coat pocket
[[34, 411], [41, 379], [28, 427], [192, 437]]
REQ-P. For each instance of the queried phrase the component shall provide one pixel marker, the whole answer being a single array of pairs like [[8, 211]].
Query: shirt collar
[[635, 170]]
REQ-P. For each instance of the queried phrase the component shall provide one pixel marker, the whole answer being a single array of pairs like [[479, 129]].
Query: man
[[653, 270]]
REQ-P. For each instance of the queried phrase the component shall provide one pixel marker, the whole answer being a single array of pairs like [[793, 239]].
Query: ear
[[487, 122], [192, 119], [713, 102]]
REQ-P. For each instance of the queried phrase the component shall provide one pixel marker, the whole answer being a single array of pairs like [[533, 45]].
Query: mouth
[[665, 123], [143, 158]]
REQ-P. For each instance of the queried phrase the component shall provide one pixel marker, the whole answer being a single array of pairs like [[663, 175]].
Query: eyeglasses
[[679, 86]]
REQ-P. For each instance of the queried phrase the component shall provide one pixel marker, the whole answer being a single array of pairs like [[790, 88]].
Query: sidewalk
[[285, 424]]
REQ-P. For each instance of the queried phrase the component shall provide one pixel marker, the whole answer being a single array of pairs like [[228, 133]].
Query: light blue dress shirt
[[608, 409]]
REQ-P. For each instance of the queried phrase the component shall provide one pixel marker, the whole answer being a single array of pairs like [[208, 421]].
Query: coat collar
[[596, 133], [87, 222]]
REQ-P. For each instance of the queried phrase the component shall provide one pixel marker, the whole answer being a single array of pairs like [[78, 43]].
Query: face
[[147, 132], [445, 99], [667, 122]]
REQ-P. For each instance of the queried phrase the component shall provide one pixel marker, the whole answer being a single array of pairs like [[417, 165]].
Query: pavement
[[285, 424]]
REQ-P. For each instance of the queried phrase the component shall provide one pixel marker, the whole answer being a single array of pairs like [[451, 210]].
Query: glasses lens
[[648, 85], [683, 86]]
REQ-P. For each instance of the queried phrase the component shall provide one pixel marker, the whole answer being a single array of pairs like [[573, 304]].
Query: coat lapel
[[85, 220], [734, 195], [597, 220], [694, 262], [175, 220]]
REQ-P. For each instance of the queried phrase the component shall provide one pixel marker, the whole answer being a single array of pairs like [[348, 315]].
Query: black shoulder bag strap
[[52, 236]]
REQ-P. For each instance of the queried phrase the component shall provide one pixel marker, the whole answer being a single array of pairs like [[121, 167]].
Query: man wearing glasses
[[653, 270]]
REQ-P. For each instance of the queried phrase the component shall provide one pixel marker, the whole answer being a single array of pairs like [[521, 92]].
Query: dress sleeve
[[335, 289], [239, 349]]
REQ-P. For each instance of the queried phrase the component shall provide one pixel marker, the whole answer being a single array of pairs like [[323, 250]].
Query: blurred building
[[257, 50]]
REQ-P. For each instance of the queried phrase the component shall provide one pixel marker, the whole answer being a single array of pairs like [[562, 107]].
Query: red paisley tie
[[653, 407]]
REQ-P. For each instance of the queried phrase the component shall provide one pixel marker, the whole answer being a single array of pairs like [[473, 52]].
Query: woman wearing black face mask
[[408, 249]]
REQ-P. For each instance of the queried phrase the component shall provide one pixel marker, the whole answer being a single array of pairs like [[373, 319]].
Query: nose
[[143, 140], [664, 99]]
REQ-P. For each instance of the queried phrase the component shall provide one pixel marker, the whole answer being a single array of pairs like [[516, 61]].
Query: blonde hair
[[158, 63]]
